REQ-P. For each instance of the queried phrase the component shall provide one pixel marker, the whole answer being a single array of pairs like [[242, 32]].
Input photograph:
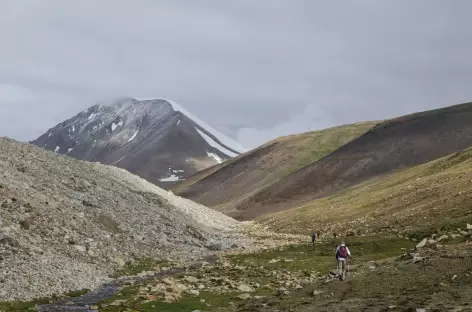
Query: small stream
[[83, 303]]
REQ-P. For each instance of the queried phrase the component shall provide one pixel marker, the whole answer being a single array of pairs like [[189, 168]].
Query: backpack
[[342, 252]]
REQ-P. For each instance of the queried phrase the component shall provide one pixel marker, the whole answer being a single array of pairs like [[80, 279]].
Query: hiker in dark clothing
[[313, 238]]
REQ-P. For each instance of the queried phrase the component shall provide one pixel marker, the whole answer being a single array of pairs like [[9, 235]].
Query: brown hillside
[[227, 185], [395, 144], [419, 201]]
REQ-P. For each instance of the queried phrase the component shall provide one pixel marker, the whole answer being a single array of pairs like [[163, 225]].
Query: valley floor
[[387, 273]]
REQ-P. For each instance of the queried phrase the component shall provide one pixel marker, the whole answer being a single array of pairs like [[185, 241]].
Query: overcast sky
[[254, 69]]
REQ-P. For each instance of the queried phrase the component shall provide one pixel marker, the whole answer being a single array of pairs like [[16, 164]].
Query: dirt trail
[[438, 279]]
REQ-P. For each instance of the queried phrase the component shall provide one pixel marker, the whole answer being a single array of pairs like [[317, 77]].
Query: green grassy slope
[[226, 185], [420, 199]]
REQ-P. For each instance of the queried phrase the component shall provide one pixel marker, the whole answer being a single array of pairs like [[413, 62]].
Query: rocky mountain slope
[[67, 224], [226, 186], [155, 139]]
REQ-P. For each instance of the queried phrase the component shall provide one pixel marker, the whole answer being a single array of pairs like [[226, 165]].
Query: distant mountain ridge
[[227, 186], [387, 147], [155, 139]]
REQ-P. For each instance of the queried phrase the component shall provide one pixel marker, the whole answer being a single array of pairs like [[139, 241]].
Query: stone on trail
[[417, 259], [245, 288], [120, 262], [191, 279], [180, 288], [469, 226], [244, 296], [81, 248], [443, 237], [193, 292], [422, 243], [317, 292], [170, 298], [218, 247]]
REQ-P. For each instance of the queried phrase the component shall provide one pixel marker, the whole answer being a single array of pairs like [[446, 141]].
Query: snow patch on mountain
[[114, 125], [133, 136], [215, 157], [215, 144], [171, 178], [57, 149], [221, 137]]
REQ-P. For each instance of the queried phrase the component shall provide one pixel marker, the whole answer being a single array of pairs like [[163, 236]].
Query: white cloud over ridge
[[254, 69]]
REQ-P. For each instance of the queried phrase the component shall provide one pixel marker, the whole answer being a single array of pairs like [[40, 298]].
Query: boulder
[[80, 248], [245, 288], [422, 243], [193, 292], [443, 237], [120, 262], [317, 292], [171, 298], [191, 279], [180, 288], [244, 296], [417, 259], [218, 247]]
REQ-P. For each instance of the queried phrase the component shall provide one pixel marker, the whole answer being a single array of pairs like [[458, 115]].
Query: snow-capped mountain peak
[[156, 139]]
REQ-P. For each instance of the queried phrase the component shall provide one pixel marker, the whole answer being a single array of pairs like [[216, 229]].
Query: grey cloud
[[254, 69]]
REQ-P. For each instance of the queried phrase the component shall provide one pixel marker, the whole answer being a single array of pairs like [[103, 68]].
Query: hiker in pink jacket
[[342, 256]]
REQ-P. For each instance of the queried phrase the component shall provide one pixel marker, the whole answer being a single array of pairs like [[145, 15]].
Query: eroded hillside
[[224, 187]]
